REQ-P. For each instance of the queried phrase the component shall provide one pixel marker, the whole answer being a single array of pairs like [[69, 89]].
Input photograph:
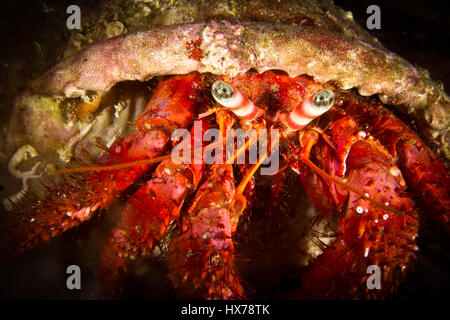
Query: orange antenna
[[111, 167], [122, 165], [239, 200], [210, 112]]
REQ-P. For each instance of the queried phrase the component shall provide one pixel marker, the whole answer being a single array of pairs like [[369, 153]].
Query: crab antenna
[[238, 196], [304, 157], [111, 167], [210, 112], [241, 187], [240, 151], [121, 165]]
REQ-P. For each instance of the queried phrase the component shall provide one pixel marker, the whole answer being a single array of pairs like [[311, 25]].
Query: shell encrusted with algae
[[311, 38]]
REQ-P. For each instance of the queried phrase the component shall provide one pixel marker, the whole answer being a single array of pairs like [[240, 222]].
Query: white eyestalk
[[310, 109], [233, 99]]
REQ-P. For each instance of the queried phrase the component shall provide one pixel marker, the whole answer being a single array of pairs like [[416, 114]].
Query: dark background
[[419, 31]]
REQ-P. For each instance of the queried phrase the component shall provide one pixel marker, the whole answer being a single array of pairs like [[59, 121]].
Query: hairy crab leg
[[201, 257], [424, 173], [369, 234], [146, 217], [172, 106]]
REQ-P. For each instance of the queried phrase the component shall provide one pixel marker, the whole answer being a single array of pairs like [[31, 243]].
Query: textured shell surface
[[311, 38]]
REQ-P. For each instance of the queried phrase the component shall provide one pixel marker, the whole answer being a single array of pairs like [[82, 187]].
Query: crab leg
[[368, 234], [146, 217], [171, 106], [424, 173], [201, 257], [145, 220]]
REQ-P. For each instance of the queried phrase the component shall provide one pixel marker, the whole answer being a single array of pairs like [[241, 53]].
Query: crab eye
[[222, 92], [310, 109], [323, 99], [234, 100]]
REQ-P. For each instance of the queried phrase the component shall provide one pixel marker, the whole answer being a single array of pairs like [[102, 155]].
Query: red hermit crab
[[286, 78]]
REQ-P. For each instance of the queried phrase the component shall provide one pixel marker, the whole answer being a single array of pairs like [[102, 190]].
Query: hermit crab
[[352, 178]]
